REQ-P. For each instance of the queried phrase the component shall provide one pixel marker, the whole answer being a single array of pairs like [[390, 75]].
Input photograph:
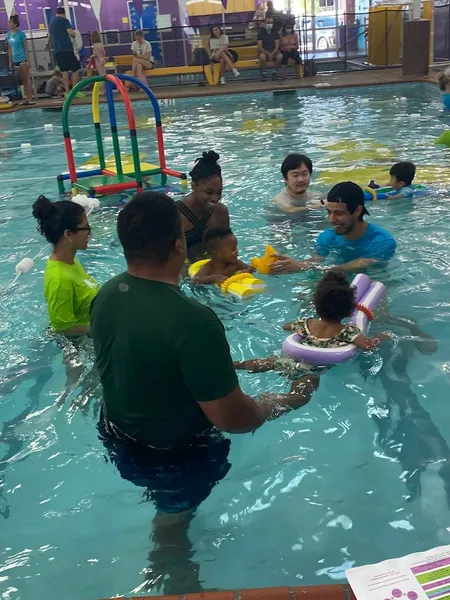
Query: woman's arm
[[10, 57]]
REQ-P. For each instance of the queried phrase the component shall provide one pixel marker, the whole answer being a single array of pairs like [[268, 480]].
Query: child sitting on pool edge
[[334, 301], [222, 248], [402, 175]]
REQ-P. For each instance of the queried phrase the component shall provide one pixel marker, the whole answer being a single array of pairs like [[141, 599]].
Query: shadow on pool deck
[[316, 592], [335, 80]]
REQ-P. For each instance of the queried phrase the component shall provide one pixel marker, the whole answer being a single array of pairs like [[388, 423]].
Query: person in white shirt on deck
[[295, 198], [218, 45], [142, 57]]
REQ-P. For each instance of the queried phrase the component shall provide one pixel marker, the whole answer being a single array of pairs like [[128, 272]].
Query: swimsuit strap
[[190, 216], [195, 235]]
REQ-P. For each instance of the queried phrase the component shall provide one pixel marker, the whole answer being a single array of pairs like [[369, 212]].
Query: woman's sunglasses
[[85, 228]]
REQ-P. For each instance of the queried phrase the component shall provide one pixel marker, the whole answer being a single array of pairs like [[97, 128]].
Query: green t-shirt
[[158, 353], [69, 291]]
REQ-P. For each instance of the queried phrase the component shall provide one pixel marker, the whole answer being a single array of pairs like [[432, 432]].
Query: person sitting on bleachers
[[268, 47]]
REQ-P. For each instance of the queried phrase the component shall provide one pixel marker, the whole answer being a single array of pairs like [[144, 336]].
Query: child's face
[[140, 39], [227, 249], [395, 183]]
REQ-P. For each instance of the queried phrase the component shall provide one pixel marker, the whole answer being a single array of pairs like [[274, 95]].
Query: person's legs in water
[[177, 483], [422, 341], [171, 549]]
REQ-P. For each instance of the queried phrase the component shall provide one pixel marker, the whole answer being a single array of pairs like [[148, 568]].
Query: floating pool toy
[[263, 264], [368, 295], [241, 286], [444, 138], [5, 103], [89, 204], [262, 125], [384, 192], [351, 151]]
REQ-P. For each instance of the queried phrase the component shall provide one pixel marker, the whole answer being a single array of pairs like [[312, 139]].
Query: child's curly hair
[[443, 80], [334, 297]]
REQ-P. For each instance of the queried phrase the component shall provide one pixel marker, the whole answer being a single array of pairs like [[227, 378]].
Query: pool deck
[[320, 81], [317, 592]]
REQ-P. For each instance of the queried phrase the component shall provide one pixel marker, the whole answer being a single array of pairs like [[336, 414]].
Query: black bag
[[234, 55], [201, 57], [309, 68]]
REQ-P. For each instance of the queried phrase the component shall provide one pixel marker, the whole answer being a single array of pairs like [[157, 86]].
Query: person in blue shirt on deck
[[402, 175], [358, 244], [18, 57]]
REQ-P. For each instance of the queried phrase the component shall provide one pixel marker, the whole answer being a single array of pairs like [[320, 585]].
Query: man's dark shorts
[[176, 481], [67, 61]]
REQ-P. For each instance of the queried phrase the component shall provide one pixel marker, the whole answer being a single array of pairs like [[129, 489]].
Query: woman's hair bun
[[43, 209], [210, 158]]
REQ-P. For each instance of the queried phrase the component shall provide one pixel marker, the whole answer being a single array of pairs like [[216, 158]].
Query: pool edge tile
[[317, 592]]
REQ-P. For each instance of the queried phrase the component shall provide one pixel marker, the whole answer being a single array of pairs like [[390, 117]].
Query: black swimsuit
[[195, 235]]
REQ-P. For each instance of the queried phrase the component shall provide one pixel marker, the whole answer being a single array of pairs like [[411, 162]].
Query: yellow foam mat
[[94, 163], [128, 169]]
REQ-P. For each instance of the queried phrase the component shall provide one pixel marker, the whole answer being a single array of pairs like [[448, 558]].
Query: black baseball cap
[[349, 193]]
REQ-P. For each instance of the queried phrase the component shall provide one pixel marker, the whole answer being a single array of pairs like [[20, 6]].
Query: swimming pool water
[[361, 474]]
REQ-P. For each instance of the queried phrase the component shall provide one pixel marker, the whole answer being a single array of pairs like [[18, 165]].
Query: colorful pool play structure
[[117, 178], [368, 294]]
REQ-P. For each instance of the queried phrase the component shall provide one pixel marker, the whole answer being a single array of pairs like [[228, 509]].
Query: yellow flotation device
[[263, 265], [242, 285]]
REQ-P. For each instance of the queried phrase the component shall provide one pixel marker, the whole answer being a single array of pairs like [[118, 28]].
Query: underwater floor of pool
[[361, 474]]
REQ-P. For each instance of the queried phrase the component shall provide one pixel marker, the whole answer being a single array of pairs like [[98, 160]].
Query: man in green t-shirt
[[168, 378]]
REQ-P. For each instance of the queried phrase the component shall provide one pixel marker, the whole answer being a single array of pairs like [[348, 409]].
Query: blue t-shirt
[[60, 38], [446, 101], [406, 192], [376, 243], [17, 42]]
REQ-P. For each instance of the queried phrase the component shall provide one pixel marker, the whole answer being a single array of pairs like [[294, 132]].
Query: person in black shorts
[[61, 32], [167, 404], [289, 48]]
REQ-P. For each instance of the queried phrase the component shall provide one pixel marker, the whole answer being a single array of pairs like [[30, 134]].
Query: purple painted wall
[[112, 13]]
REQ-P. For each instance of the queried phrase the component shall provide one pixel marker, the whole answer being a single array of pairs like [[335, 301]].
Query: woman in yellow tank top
[[68, 289]]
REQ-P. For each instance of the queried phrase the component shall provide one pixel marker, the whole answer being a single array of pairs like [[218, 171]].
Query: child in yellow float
[[224, 262], [68, 289]]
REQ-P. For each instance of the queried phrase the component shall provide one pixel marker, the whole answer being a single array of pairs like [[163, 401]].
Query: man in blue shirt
[[61, 32], [358, 244]]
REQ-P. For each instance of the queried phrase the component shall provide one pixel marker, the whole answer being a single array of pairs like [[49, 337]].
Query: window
[[326, 3]]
